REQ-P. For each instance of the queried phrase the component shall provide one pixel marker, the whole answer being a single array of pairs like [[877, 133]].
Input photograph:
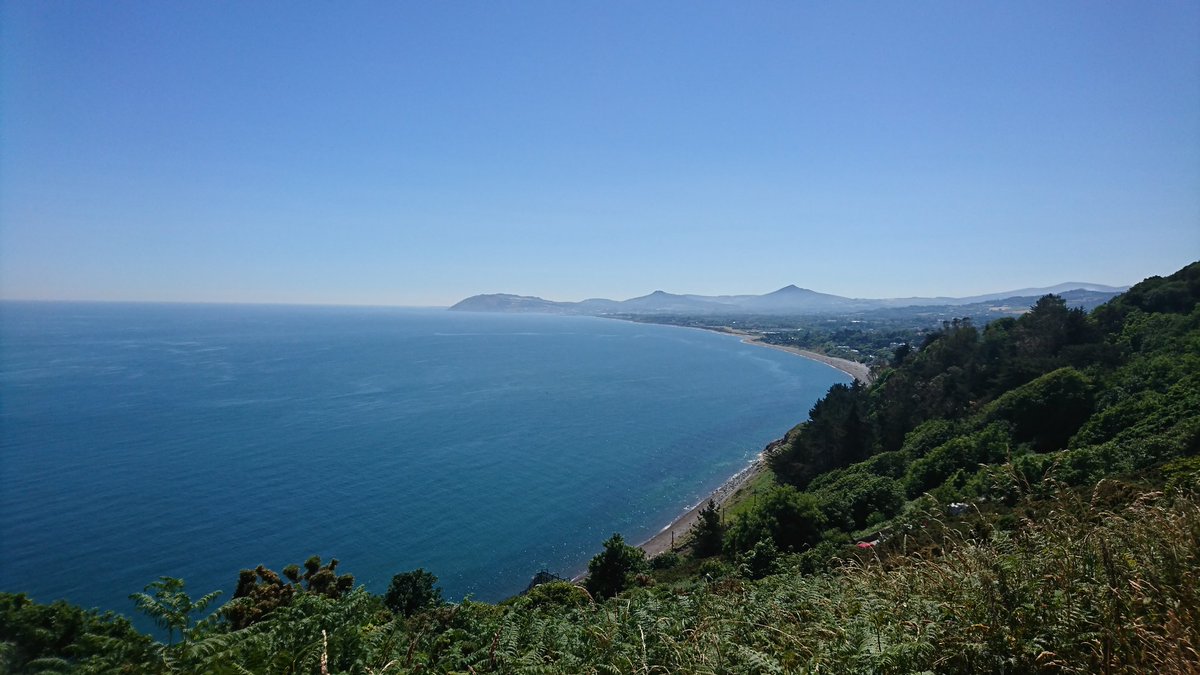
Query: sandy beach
[[678, 529], [859, 371], [676, 532]]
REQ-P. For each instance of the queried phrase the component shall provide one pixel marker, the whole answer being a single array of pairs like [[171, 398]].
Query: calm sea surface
[[194, 441]]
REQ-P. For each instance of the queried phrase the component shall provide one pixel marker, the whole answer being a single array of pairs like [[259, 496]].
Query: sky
[[416, 153]]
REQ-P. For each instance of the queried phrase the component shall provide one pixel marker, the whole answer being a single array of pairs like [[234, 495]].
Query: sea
[[193, 441]]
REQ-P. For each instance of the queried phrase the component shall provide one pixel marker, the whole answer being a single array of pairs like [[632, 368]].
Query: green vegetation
[[1022, 496], [412, 592], [709, 532], [170, 607], [261, 591], [613, 569]]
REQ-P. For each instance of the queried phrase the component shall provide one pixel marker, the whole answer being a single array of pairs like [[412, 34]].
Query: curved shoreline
[[677, 530], [675, 533], [859, 371]]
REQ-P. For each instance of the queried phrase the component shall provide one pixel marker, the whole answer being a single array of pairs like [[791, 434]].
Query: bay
[[139, 440]]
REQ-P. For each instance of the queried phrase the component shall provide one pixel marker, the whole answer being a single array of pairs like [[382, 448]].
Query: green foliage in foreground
[[1086, 588], [168, 604]]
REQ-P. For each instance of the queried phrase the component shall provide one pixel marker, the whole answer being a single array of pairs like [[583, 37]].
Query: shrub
[[1048, 410], [411, 592], [609, 572]]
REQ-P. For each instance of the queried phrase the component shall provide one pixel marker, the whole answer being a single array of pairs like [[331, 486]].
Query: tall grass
[[1089, 588], [1099, 582]]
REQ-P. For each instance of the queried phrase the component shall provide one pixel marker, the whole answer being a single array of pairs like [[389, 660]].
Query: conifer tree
[[708, 532]]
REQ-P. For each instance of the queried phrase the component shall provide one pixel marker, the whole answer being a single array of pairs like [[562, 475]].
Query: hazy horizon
[[415, 155], [542, 296]]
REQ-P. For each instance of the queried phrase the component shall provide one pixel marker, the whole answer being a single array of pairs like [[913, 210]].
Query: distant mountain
[[660, 302], [1059, 289], [790, 299], [505, 302]]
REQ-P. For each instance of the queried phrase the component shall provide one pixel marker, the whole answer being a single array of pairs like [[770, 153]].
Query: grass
[[742, 500]]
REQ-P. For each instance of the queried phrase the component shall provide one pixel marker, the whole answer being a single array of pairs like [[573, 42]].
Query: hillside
[[789, 300], [1016, 497]]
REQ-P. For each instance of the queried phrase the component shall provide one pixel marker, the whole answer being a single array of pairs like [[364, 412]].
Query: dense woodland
[[1011, 497]]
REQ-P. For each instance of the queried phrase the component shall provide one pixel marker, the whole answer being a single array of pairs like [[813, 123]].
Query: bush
[[792, 519], [610, 571], [554, 594], [665, 561], [857, 498], [1048, 410], [991, 444], [714, 570], [823, 557], [759, 561], [412, 592]]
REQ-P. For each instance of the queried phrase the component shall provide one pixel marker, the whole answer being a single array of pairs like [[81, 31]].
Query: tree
[[1048, 410], [170, 606], [792, 519], [411, 592], [609, 572], [759, 561], [708, 532], [835, 435]]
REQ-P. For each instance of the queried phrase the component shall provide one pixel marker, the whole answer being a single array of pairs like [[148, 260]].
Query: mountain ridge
[[790, 299]]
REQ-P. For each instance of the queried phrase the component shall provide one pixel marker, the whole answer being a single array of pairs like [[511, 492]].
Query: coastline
[[677, 530], [859, 371], [675, 533]]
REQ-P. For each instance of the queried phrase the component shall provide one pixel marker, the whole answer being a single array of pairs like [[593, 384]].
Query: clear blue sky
[[417, 153]]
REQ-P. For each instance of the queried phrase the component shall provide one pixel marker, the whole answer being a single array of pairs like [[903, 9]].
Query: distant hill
[[1059, 289], [506, 302], [790, 300]]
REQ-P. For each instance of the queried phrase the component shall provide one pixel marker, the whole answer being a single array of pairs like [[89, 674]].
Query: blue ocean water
[[139, 440]]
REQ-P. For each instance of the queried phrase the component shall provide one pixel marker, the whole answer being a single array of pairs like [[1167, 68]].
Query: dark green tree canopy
[[412, 592], [791, 519], [708, 533], [609, 572]]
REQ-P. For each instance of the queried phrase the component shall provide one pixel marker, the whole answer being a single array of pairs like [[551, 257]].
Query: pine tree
[[708, 532]]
